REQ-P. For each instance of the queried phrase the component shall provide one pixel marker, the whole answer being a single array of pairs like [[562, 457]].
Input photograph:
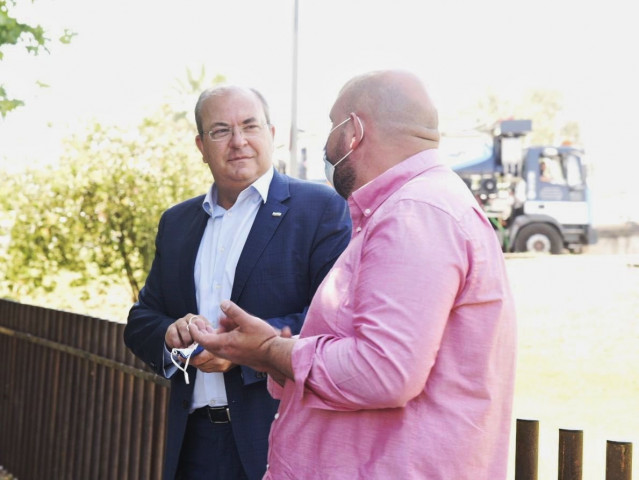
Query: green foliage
[[76, 234], [7, 104], [193, 85], [95, 213], [66, 36], [12, 31], [32, 37]]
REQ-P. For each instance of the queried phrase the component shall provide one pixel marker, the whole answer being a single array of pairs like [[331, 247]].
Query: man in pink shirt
[[405, 365]]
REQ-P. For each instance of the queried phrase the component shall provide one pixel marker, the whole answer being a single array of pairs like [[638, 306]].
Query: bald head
[[396, 103], [225, 90], [384, 118]]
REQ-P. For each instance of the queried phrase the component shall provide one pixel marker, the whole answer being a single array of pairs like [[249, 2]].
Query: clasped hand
[[178, 335], [240, 338]]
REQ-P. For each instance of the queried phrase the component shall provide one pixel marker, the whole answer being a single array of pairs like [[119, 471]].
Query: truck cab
[[537, 198]]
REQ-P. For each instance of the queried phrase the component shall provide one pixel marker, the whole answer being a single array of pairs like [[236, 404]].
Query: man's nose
[[237, 136]]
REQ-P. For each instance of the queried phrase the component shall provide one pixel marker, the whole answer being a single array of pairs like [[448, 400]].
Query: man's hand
[[207, 362], [246, 340], [178, 335]]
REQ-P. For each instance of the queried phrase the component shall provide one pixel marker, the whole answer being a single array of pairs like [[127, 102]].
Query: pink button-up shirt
[[405, 365]]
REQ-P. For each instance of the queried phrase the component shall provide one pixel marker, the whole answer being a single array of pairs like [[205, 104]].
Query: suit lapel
[[190, 245], [268, 219]]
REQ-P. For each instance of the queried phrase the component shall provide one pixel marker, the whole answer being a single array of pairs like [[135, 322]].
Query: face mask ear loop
[[186, 365], [182, 367], [361, 125]]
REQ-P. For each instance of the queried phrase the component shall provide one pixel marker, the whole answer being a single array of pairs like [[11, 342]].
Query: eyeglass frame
[[231, 131]]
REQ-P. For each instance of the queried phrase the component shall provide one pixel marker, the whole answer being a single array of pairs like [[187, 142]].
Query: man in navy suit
[[258, 237]]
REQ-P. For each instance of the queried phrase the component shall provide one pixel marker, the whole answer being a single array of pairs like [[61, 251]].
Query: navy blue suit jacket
[[296, 237]]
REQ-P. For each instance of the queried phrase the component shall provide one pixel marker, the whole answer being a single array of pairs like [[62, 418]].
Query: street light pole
[[293, 137]]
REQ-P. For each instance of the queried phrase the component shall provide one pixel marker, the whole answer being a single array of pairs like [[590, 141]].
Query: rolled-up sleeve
[[390, 323]]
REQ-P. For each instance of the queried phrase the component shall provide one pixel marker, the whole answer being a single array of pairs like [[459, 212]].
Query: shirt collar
[[261, 186], [369, 197]]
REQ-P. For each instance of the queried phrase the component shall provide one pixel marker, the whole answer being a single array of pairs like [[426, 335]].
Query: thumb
[[233, 313]]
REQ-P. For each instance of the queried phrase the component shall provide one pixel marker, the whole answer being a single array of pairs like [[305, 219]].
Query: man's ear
[[359, 131], [200, 147]]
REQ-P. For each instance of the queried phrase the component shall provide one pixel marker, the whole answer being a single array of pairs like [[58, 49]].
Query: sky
[[128, 56]]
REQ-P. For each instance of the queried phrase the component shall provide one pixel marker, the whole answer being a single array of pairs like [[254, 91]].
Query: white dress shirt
[[220, 248]]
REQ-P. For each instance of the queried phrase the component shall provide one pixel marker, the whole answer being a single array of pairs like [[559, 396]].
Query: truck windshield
[[573, 171], [551, 170]]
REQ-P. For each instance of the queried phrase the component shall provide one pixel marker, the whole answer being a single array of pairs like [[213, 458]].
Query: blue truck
[[537, 198]]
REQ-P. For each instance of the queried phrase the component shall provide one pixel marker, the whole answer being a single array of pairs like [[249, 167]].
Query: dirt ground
[[578, 358]]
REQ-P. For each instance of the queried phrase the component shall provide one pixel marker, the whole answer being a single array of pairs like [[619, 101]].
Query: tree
[[72, 232], [34, 39], [95, 214]]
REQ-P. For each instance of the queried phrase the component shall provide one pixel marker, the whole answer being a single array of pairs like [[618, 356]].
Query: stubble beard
[[344, 179]]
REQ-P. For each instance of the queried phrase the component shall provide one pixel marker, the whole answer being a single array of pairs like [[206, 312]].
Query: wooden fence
[[76, 404], [570, 454]]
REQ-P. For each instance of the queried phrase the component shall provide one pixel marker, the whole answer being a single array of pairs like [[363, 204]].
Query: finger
[[216, 364], [198, 321], [201, 358], [174, 335], [234, 313], [286, 332], [204, 334], [198, 318], [201, 326], [226, 325], [182, 328]]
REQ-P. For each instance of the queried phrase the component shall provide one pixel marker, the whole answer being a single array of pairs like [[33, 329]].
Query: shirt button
[[358, 229], [277, 415], [367, 211]]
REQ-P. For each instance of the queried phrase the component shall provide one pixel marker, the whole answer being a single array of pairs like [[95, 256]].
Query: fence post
[[570, 454], [526, 449], [618, 460]]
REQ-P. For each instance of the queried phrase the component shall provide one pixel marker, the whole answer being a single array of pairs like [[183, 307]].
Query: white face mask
[[184, 353], [329, 168]]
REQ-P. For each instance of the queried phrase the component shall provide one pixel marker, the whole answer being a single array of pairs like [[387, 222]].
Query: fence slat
[[570, 454], [88, 405], [43, 392], [99, 419], [527, 450], [618, 460], [160, 419]]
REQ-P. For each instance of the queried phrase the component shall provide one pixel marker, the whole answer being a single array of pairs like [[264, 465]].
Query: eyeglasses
[[221, 133]]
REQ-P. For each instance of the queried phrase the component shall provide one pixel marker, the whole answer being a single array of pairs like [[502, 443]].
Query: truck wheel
[[540, 238]]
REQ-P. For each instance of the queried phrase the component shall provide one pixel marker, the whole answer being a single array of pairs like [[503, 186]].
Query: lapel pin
[[277, 214]]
